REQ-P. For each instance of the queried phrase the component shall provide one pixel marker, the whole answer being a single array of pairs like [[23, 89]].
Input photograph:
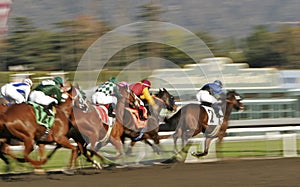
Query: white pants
[[102, 99], [204, 96], [40, 98], [10, 93]]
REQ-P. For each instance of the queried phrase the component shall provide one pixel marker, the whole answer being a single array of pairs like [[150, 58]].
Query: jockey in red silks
[[141, 90]]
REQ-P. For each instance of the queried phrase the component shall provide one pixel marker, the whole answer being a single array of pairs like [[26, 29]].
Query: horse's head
[[79, 98], [168, 99], [234, 98]]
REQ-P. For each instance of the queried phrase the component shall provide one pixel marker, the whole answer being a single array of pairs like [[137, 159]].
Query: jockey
[[141, 90], [107, 93], [16, 92], [48, 93], [211, 94]]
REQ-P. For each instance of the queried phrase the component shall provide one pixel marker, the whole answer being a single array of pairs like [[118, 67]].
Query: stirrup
[[45, 135]]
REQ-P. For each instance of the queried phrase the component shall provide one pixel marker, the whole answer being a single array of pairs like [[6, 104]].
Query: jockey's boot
[[217, 110], [141, 115], [48, 109], [111, 112]]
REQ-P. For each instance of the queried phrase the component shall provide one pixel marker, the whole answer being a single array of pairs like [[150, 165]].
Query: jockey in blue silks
[[211, 94]]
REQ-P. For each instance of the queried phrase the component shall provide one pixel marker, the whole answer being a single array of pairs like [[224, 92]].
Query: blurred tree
[[260, 50], [49, 50], [150, 12], [75, 36], [287, 44], [20, 44]]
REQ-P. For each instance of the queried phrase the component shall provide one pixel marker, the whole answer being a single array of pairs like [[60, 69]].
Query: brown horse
[[192, 119], [85, 127], [88, 120], [19, 122], [125, 121]]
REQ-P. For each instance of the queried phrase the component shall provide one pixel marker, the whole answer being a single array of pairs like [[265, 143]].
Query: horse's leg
[[175, 138], [206, 147], [154, 147], [58, 146], [41, 151], [118, 144], [2, 152], [129, 149], [64, 142], [84, 151], [29, 143]]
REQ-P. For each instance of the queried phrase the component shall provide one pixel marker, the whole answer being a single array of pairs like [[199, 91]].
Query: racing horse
[[125, 120], [85, 127], [192, 119], [19, 122], [91, 122]]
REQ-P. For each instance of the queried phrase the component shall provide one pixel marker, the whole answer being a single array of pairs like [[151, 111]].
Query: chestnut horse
[[125, 124], [86, 118], [192, 119], [19, 122], [85, 127]]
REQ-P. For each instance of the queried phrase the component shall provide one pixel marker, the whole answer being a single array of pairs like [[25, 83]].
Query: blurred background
[[251, 45]]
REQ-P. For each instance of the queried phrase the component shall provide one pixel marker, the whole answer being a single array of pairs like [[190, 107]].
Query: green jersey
[[52, 90]]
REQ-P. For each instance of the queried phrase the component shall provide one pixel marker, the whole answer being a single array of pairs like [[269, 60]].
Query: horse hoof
[[69, 171], [97, 165], [196, 154], [39, 171]]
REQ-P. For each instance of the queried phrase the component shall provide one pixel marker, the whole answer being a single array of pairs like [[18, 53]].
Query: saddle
[[42, 118]]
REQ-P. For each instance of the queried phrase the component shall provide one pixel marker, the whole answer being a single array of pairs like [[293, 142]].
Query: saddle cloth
[[41, 116], [212, 117], [136, 118], [103, 113]]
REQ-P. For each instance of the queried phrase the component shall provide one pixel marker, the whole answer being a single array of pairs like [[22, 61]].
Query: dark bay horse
[[125, 121], [192, 119], [19, 122]]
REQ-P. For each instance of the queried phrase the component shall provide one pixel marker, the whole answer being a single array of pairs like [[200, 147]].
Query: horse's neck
[[120, 107], [160, 103], [66, 107], [229, 107]]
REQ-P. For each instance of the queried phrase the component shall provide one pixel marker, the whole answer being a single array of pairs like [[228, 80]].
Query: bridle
[[237, 98], [83, 105]]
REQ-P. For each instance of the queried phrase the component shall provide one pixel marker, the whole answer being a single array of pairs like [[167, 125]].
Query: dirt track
[[271, 172]]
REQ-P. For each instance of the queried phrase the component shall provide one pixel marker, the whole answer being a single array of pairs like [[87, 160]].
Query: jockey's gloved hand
[[64, 96]]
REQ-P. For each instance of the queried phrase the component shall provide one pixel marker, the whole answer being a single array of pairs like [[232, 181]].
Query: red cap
[[146, 83]]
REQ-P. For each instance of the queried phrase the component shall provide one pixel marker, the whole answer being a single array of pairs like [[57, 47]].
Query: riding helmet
[[28, 82], [113, 80], [146, 83], [58, 80], [219, 83]]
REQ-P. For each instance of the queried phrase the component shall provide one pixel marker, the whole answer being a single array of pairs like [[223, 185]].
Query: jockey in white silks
[[17, 92]]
